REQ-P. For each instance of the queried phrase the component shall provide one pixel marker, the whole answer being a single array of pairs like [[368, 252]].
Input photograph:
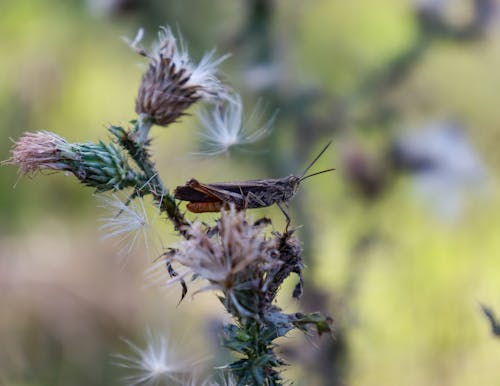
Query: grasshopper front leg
[[287, 216]]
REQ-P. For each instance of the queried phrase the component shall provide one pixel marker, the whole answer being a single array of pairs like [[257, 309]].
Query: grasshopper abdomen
[[204, 207]]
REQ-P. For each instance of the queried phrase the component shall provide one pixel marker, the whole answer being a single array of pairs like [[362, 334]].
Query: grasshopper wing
[[195, 191], [186, 193], [242, 187]]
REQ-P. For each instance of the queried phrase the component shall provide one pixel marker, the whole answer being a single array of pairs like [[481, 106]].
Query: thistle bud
[[104, 167], [100, 165], [173, 82]]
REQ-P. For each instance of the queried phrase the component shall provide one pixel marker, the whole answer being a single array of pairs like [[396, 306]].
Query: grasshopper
[[244, 194]]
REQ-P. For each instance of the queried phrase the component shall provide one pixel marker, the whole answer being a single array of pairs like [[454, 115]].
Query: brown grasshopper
[[244, 194]]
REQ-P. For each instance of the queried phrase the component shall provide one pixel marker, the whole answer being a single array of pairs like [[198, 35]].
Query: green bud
[[104, 167]]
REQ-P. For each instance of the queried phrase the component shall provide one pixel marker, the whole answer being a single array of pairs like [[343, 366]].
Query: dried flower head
[[173, 82], [237, 253], [38, 151], [158, 362], [224, 127]]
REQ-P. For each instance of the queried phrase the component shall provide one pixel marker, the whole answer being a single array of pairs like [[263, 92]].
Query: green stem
[[136, 141]]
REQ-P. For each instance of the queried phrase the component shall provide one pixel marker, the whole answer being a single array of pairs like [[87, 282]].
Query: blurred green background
[[401, 241]]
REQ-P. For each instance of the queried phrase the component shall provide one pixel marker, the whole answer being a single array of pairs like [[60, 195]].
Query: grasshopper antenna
[[315, 174], [314, 161]]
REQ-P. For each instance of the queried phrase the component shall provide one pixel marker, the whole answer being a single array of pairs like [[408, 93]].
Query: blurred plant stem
[[373, 88]]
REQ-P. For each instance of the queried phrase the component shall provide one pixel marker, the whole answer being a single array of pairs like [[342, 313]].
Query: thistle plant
[[243, 261]]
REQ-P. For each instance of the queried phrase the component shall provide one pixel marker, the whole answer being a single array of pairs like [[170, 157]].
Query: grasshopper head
[[294, 182], [288, 186]]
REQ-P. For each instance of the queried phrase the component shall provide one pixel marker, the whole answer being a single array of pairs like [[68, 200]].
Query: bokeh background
[[401, 242]]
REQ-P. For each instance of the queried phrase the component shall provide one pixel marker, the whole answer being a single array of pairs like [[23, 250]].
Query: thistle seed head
[[224, 128], [158, 363], [127, 222], [238, 252], [173, 82], [225, 380]]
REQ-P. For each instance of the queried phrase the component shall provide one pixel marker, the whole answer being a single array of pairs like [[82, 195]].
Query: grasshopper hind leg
[[253, 198]]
